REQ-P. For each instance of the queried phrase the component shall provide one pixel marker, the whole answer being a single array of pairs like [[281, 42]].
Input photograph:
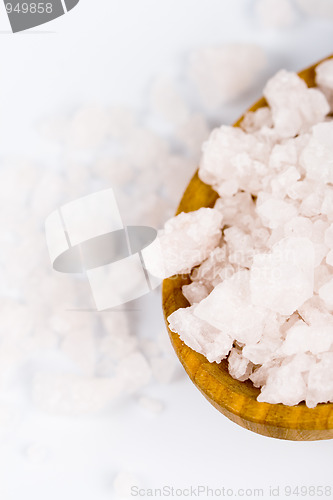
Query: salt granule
[[179, 246], [69, 394], [199, 334], [294, 106]]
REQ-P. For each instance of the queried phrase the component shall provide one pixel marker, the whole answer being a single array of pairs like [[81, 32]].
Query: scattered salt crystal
[[164, 368], [274, 13], [69, 394], [152, 405], [133, 372], [223, 73]]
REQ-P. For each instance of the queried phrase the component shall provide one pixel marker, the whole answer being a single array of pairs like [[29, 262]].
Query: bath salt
[[223, 73], [234, 294], [320, 381], [295, 107], [179, 246], [282, 280], [195, 292], [268, 283], [232, 153], [286, 383], [200, 335], [69, 394], [239, 367], [317, 156]]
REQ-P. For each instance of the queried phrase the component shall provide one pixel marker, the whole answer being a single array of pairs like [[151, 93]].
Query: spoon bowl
[[238, 400]]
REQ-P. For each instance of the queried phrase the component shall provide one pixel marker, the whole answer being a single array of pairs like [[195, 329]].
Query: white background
[[106, 51]]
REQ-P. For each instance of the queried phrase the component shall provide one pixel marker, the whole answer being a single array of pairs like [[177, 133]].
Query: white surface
[[106, 52]]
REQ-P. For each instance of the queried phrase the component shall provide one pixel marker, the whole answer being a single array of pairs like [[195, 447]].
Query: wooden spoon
[[238, 400]]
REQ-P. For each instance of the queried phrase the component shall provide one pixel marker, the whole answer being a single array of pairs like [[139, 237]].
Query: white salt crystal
[[283, 279], [326, 293], [298, 226], [199, 335], [275, 212], [303, 338], [329, 236], [283, 155], [255, 120], [195, 292], [329, 258], [294, 106], [285, 384], [186, 240], [322, 274], [317, 157], [223, 73], [234, 296], [164, 368], [230, 153], [285, 181], [320, 381], [133, 372], [324, 74], [69, 394], [152, 405], [239, 367], [209, 270], [274, 13]]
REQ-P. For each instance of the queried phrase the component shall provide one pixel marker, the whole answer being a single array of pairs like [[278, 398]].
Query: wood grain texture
[[237, 400]]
